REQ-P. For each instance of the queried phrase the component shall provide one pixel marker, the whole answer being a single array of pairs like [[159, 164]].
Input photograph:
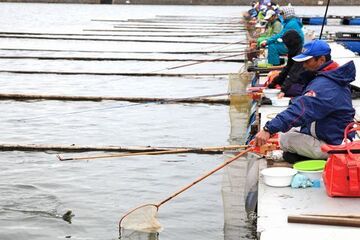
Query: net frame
[[157, 206]]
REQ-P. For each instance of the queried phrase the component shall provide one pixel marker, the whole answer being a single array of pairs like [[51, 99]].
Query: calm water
[[36, 189]]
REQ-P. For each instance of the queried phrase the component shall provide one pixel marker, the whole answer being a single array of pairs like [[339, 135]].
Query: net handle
[[205, 176]]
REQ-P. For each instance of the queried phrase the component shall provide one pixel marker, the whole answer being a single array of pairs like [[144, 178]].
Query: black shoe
[[293, 157]]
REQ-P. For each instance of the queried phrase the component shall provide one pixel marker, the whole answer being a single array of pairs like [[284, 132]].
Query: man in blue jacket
[[276, 48], [322, 111]]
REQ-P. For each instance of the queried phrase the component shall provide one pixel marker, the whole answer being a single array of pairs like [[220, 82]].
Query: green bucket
[[310, 165]]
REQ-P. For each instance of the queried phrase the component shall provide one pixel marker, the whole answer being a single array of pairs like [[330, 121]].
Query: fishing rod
[[174, 100], [109, 39], [184, 21], [204, 61], [202, 150], [137, 52], [163, 31], [139, 74], [22, 97], [324, 19], [178, 28], [183, 25], [111, 35], [117, 59]]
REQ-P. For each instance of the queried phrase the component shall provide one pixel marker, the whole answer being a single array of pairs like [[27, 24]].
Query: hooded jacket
[[289, 23], [291, 78], [324, 109]]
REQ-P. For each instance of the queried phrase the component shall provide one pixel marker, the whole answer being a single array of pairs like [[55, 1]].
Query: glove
[[263, 43], [300, 181]]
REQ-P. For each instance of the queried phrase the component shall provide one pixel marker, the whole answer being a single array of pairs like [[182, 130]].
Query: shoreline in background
[[195, 2]]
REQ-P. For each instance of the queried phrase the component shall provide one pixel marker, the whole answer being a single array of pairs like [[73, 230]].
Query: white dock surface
[[275, 204]]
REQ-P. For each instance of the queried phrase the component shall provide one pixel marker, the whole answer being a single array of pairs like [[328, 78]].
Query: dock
[[276, 204]]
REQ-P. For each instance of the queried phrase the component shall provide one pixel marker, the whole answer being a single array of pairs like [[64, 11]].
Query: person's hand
[[261, 138], [263, 43], [272, 85], [281, 95]]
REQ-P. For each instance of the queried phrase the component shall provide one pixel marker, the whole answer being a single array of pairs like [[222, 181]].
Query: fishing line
[[129, 105]]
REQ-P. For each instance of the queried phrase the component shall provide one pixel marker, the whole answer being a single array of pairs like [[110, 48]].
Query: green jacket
[[271, 29]]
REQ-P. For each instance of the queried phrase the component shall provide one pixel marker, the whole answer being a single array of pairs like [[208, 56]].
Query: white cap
[[269, 14]]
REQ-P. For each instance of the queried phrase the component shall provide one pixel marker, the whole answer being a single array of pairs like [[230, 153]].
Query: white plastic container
[[278, 176], [280, 102], [312, 175], [271, 93]]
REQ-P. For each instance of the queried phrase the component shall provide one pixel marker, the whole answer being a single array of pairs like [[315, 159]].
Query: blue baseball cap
[[314, 48]]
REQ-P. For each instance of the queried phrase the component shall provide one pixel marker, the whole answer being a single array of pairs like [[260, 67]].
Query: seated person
[[322, 111], [276, 48], [273, 26], [252, 12], [292, 77]]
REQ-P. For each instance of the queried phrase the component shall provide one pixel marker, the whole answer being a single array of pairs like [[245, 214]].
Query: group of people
[[321, 105]]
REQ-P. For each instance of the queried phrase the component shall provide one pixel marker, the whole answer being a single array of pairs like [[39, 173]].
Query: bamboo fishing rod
[[84, 148], [177, 21], [189, 21], [197, 16], [111, 39], [99, 51], [176, 25], [134, 74], [179, 27], [114, 35], [195, 100], [118, 59], [153, 73], [204, 150], [162, 31], [204, 61], [130, 105]]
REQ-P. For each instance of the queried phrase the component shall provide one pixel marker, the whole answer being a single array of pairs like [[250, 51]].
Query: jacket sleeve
[[275, 37], [314, 105], [285, 71], [292, 24]]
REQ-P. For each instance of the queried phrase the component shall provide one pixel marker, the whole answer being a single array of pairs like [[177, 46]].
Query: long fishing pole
[[324, 19], [113, 35], [130, 105], [204, 61], [110, 39]]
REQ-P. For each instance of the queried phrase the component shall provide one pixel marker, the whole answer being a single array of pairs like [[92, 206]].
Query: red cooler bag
[[342, 170]]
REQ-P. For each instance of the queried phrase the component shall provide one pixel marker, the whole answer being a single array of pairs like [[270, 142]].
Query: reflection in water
[[126, 234]]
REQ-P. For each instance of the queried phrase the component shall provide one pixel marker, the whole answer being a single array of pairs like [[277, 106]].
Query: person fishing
[[276, 48], [292, 77], [322, 111], [273, 26]]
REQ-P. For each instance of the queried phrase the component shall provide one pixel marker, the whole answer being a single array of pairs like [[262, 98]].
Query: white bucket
[[278, 176]]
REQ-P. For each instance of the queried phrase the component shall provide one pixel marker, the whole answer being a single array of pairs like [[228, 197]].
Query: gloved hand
[[263, 43]]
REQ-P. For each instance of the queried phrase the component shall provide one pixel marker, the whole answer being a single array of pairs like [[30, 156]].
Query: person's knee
[[288, 141]]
